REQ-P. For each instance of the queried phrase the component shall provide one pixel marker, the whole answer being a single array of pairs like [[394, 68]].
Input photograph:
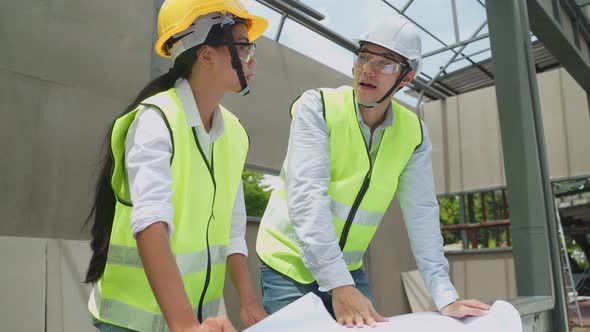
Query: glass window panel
[[434, 16], [350, 18], [428, 42], [309, 43], [477, 46], [433, 64], [470, 15], [271, 15], [399, 4]]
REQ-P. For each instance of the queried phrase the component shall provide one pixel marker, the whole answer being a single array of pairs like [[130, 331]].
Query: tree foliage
[[255, 192]]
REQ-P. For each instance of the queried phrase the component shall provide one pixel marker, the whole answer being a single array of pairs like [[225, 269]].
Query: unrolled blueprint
[[309, 314]]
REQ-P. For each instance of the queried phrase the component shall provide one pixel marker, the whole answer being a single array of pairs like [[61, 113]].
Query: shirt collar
[[191, 111]]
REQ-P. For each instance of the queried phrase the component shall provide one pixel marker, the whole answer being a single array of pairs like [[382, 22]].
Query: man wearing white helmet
[[350, 151]]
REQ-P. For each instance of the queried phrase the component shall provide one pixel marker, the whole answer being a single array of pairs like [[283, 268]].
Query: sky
[[350, 18]]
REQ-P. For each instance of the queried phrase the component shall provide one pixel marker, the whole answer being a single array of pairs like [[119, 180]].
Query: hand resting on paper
[[352, 308], [464, 308]]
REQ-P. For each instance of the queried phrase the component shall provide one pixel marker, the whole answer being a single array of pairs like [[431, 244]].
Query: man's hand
[[252, 313], [352, 308], [462, 308], [216, 324]]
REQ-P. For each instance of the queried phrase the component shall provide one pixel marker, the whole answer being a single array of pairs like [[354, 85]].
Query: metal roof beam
[[406, 6], [449, 62], [424, 87], [547, 23], [286, 6], [305, 20], [450, 47]]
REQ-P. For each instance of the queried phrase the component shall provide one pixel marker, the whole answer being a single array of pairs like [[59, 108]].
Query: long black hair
[[103, 210]]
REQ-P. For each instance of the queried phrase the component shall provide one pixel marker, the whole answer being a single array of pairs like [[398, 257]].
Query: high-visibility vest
[[203, 196], [360, 189]]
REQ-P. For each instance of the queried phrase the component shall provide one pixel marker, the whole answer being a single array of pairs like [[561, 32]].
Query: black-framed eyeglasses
[[380, 62]]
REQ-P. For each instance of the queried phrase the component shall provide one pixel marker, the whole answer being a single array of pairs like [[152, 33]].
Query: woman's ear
[[205, 56]]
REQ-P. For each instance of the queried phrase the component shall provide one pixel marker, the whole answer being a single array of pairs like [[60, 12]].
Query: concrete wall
[[465, 134], [41, 285], [486, 276], [67, 68]]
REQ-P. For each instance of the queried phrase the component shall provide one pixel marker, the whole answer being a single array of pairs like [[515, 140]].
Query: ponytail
[[103, 210]]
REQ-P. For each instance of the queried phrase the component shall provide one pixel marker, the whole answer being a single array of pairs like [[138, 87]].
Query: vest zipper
[[355, 205], [212, 216], [359, 196]]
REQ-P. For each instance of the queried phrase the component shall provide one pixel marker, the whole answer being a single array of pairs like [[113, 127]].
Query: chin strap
[[236, 62], [406, 71]]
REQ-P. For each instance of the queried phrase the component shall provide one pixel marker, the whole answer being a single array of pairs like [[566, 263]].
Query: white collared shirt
[[148, 149], [308, 168]]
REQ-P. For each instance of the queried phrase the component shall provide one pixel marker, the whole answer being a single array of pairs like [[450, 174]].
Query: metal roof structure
[[456, 51], [477, 76], [456, 46]]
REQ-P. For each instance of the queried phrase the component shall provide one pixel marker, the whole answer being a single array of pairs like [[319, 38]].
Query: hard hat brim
[[256, 27], [359, 41]]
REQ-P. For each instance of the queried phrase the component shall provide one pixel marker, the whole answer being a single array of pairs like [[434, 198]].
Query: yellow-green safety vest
[[360, 190], [203, 196]]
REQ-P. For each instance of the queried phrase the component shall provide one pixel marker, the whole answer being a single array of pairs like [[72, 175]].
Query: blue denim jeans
[[278, 291]]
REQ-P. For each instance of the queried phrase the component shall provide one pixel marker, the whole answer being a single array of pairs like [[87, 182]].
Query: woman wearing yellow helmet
[[169, 209]]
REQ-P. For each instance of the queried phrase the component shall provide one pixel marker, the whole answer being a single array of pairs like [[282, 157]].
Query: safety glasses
[[379, 62], [245, 50]]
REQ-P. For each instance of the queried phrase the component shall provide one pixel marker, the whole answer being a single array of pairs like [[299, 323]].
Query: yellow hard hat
[[178, 15]]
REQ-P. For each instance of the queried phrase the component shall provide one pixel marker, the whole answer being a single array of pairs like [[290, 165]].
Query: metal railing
[[473, 228], [479, 212]]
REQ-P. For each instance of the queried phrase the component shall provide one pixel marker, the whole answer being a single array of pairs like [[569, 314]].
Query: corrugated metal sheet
[[477, 76]]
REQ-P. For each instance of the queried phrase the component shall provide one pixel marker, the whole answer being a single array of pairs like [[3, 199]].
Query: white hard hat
[[398, 35]]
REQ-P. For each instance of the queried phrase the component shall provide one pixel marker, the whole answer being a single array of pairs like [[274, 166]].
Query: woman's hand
[[251, 312]]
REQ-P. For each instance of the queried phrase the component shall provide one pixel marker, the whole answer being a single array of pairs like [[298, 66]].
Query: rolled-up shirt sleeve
[[416, 194], [308, 177], [148, 149], [237, 243]]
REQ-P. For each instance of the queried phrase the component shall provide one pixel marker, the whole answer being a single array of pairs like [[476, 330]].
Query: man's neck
[[375, 116]]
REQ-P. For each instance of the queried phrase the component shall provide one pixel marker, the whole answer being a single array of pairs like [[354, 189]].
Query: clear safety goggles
[[379, 62], [245, 50]]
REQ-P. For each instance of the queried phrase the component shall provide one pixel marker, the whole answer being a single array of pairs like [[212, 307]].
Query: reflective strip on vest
[[341, 210], [187, 263], [284, 226], [116, 311], [362, 217]]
